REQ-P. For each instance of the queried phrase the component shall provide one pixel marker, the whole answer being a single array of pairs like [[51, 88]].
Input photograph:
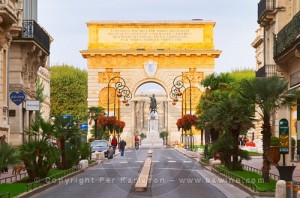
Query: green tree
[[94, 114], [216, 86], [68, 91], [164, 135], [268, 94], [223, 112], [39, 96]]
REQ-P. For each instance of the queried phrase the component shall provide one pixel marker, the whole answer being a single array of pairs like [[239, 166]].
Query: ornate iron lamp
[[176, 92]]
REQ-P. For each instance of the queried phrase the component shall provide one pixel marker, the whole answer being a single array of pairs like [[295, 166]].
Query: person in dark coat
[[122, 145], [110, 152]]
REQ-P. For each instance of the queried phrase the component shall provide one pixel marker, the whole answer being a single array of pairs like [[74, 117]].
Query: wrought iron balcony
[[261, 72], [32, 31], [266, 11], [288, 36], [266, 71]]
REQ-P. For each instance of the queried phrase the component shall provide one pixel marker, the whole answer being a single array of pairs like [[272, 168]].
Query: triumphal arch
[[127, 55]]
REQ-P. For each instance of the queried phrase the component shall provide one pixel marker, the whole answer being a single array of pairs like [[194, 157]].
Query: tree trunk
[[214, 135], [266, 132], [235, 154], [63, 163]]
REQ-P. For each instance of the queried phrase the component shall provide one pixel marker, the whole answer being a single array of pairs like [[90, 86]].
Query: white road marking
[[139, 161], [123, 162], [171, 161], [155, 161], [187, 161]]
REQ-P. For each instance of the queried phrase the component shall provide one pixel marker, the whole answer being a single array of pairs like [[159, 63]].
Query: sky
[[236, 23]]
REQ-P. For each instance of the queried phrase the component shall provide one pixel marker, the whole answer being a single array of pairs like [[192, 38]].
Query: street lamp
[[121, 90], [176, 92]]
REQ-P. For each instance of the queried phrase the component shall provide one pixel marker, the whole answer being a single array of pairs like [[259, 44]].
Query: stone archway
[[142, 52], [146, 122]]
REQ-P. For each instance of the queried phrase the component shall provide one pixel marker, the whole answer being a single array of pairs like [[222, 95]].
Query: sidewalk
[[9, 177]]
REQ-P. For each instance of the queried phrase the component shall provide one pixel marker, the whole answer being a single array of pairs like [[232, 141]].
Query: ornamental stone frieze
[[137, 62], [104, 77], [5, 39], [194, 76]]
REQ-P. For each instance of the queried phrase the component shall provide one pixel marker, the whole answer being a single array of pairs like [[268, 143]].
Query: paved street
[[173, 175]]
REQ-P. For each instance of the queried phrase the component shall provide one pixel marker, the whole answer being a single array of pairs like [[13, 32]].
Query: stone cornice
[[91, 53], [114, 23]]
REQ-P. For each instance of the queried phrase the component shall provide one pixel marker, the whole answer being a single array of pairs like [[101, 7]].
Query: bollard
[[280, 189], [289, 189], [296, 188]]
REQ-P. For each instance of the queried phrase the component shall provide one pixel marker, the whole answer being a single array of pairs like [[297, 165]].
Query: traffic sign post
[[283, 138], [285, 172]]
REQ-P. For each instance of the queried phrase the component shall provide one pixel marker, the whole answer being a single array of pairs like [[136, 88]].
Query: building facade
[[24, 49], [10, 15], [143, 52], [280, 21]]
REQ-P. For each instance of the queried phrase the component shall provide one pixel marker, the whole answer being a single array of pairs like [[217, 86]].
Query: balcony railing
[[266, 71], [265, 6], [32, 30], [287, 35]]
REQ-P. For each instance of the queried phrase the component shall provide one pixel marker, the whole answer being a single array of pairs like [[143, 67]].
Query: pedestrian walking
[[136, 142], [122, 145], [114, 143]]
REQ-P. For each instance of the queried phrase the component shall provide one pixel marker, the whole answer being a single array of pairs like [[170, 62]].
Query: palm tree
[[64, 131], [94, 114], [39, 155], [268, 94], [233, 116]]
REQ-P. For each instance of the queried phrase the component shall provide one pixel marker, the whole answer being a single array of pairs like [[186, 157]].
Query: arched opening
[[148, 120], [151, 88]]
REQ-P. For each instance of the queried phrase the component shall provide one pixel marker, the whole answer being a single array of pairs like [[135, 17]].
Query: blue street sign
[[83, 126], [17, 98], [69, 120]]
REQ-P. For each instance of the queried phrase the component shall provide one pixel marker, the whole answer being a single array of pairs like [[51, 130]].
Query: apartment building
[[279, 21], [10, 15], [24, 49]]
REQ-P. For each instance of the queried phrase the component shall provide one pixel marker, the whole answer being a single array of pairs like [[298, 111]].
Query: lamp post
[[121, 90], [176, 92]]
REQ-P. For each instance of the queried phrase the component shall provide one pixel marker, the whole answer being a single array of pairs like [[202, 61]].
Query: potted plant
[[163, 135], [274, 150], [186, 122]]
